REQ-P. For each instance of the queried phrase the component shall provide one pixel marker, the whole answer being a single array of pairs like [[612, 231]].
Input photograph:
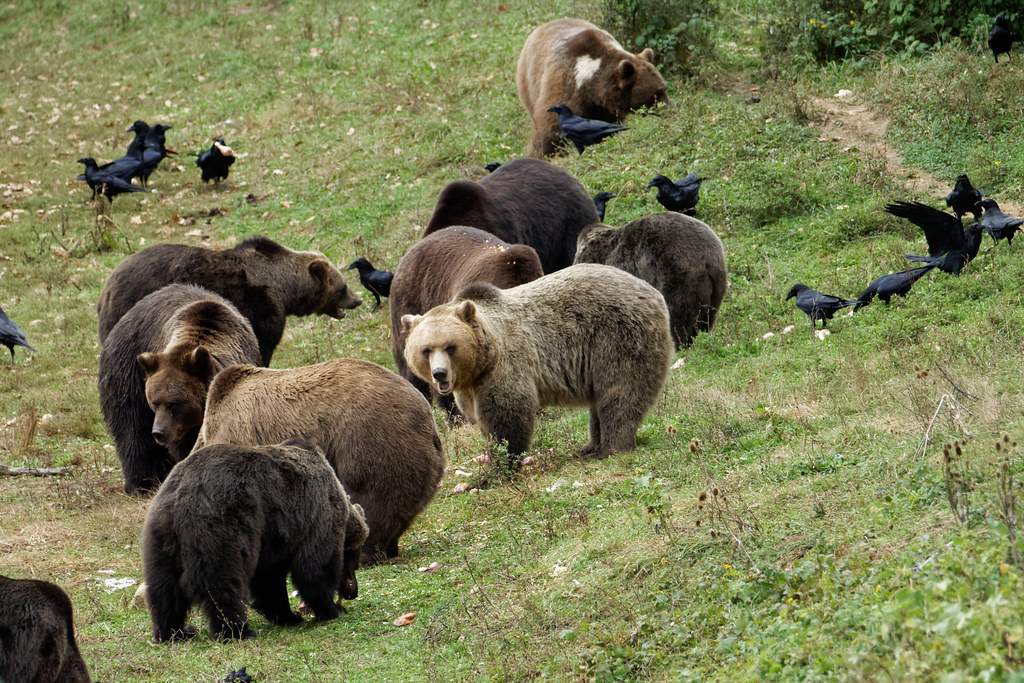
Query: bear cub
[[231, 523]]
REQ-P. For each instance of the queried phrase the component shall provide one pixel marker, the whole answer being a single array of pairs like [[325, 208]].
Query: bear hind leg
[[620, 417], [269, 590], [168, 609], [317, 580]]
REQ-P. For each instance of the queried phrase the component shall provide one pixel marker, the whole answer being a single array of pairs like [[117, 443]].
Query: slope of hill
[[786, 515]]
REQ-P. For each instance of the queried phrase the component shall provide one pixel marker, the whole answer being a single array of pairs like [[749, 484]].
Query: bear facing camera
[[230, 523], [589, 335]]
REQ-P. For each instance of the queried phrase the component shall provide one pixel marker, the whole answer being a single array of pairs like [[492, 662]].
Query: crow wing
[[942, 231]]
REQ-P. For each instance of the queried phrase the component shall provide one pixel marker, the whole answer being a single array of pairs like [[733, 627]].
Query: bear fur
[[573, 62], [376, 429], [526, 201], [154, 372], [437, 267], [231, 523], [37, 634], [679, 255], [589, 335], [264, 280]]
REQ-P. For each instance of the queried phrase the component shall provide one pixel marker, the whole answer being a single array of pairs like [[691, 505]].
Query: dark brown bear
[[377, 431], [37, 634], [264, 280], [679, 255], [573, 62], [437, 267], [526, 201], [161, 356], [230, 524]]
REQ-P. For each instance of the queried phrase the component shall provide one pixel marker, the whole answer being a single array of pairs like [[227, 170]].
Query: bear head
[[304, 278], [356, 532], [635, 82], [334, 295], [508, 266], [176, 385], [595, 242], [447, 346]]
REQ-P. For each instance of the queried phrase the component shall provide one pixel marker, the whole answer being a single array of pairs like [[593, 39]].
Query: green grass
[[834, 555]]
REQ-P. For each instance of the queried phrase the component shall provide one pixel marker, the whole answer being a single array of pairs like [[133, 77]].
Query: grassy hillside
[[784, 517]]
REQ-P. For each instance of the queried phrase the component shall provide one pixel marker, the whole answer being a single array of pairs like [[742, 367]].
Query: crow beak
[[170, 152], [651, 184]]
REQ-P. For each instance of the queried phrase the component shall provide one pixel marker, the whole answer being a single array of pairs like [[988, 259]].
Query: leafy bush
[[826, 30], [679, 31]]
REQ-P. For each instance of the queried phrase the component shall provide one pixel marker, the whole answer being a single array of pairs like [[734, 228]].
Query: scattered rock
[[822, 334], [432, 567], [844, 93]]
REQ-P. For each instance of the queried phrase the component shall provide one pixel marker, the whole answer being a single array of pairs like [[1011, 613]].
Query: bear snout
[[440, 374], [349, 588], [159, 435]]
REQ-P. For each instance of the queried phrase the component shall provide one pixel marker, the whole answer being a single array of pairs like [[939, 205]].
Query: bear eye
[[450, 350], [426, 353]]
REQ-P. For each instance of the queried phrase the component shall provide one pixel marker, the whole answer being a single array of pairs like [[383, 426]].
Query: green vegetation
[[783, 518]]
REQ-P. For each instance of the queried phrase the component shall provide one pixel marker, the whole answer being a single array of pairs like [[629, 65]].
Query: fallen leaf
[[405, 619], [432, 567], [461, 487]]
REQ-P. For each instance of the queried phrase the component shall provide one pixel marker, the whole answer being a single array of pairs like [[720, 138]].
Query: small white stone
[[844, 93], [822, 334], [788, 328]]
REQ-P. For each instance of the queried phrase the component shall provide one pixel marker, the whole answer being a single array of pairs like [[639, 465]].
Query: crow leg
[[377, 304]]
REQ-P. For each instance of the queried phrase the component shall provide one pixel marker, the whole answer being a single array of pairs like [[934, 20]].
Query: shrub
[[825, 30], [679, 31]]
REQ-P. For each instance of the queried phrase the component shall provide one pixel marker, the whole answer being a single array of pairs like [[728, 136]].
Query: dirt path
[[851, 124]]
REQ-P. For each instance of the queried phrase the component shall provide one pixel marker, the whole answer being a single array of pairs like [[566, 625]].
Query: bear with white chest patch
[[573, 62]]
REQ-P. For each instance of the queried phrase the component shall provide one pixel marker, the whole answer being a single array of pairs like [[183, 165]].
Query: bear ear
[[626, 71], [199, 363], [409, 322], [320, 269], [466, 312], [149, 362], [647, 54]]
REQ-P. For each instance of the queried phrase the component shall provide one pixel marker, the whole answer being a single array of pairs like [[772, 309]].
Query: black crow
[[680, 196], [887, 286], [239, 676], [11, 335], [153, 152], [998, 224], [105, 183], [492, 166], [140, 128], [949, 246], [1001, 38], [377, 282], [216, 161], [125, 168], [583, 132], [964, 197], [816, 305], [600, 202]]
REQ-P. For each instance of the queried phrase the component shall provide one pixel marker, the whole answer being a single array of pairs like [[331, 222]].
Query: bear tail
[[462, 202]]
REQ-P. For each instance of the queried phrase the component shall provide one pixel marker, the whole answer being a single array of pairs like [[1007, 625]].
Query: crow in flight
[[1001, 38], [964, 197], [216, 161], [583, 132], [949, 246], [11, 335], [377, 282], [104, 183], [680, 196], [601, 202], [890, 285], [816, 305], [998, 224]]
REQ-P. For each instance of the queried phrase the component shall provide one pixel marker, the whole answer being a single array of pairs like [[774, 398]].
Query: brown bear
[[264, 280], [377, 431], [434, 270], [589, 335], [573, 62], [154, 371], [37, 634], [526, 201], [231, 523], [681, 256]]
